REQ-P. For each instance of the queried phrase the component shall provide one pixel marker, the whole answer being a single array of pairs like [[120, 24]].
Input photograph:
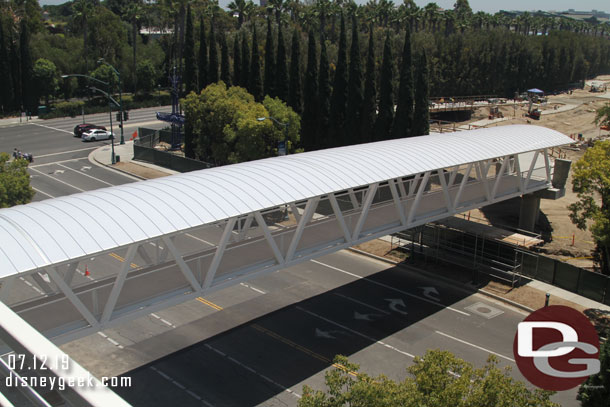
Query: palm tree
[[431, 16], [83, 9], [133, 13], [276, 6], [239, 7]]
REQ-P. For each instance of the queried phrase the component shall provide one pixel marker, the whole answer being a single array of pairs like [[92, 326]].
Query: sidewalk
[[11, 121], [142, 170]]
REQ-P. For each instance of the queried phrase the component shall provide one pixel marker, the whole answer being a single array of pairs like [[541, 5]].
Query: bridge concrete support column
[[529, 212]]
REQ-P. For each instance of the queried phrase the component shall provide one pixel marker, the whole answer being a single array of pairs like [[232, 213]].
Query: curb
[[447, 280], [93, 160]]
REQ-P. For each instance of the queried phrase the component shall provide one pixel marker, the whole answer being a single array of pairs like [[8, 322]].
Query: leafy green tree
[[404, 109], [437, 379], [105, 74], [269, 62], [338, 101], [45, 78], [255, 84], [595, 391], [310, 101], [236, 61], [190, 67], [148, 74], [383, 124], [27, 88], [355, 92], [6, 91], [245, 62], [213, 57], [295, 93], [225, 69], [203, 56], [462, 9], [281, 84], [421, 112], [15, 186], [369, 107], [83, 9], [591, 183], [324, 94], [279, 110]]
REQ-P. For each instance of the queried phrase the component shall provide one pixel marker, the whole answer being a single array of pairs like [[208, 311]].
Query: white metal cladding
[[70, 227]]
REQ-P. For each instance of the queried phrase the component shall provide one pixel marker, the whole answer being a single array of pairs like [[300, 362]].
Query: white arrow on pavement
[[85, 168], [394, 303], [431, 293], [323, 334], [58, 172], [45, 277], [365, 317]]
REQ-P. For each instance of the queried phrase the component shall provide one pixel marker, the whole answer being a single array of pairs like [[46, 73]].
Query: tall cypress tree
[[281, 84], [295, 92], [404, 109], [338, 101], [16, 74], [383, 125], [190, 69], [255, 85], [269, 61], [236, 61], [245, 63], [310, 103], [6, 91], [324, 92], [421, 116], [203, 56], [213, 64], [355, 96], [27, 90], [369, 106], [225, 68]]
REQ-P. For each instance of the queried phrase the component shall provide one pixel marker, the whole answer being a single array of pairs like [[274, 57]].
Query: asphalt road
[[259, 342]]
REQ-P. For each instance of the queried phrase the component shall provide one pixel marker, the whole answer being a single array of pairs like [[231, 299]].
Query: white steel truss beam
[[366, 205], [310, 208], [531, 170], [397, 202], [70, 273], [482, 176], [339, 215], [463, 183], [184, 268], [222, 245], [118, 284], [270, 240], [352, 197], [418, 196], [499, 176], [547, 165], [67, 291], [445, 188], [295, 211]]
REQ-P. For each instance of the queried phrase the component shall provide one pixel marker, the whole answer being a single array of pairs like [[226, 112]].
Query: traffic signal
[[118, 116], [125, 115]]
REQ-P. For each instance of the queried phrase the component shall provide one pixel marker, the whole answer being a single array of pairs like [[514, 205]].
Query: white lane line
[[474, 346], [66, 152], [262, 376], [166, 322], [373, 340], [32, 286], [44, 193], [438, 304], [58, 180], [86, 175], [252, 288], [363, 303], [181, 386], [197, 238], [112, 341], [156, 245], [52, 128], [58, 162]]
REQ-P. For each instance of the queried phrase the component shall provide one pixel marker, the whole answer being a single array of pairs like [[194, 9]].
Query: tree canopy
[[15, 186]]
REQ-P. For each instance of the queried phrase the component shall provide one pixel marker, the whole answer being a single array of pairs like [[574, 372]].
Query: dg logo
[[556, 348]]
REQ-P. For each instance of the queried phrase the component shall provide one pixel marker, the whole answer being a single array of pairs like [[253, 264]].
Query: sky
[[489, 6]]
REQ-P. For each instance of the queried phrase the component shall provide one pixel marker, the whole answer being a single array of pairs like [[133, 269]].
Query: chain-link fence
[[151, 146]]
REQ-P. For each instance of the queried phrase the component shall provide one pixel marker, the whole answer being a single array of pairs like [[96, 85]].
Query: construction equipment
[[494, 112]]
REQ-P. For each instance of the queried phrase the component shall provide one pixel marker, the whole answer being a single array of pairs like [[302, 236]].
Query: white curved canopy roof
[[70, 227]]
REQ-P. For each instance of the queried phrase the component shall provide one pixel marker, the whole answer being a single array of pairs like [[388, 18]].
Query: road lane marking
[[58, 180], [180, 386], [209, 303], [122, 260], [166, 322], [86, 175], [112, 341], [474, 346], [44, 193], [373, 340], [52, 128], [391, 288], [262, 376], [252, 288], [32, 286], [197, 238], [362, 303], [57, 162]]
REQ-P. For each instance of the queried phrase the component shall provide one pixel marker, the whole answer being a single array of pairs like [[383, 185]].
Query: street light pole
[[284, 125], [102, 61]]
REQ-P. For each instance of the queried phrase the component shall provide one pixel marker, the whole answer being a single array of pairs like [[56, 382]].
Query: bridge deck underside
[[172, 269]]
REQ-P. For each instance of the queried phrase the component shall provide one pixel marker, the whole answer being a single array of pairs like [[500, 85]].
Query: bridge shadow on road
[[270, 356]]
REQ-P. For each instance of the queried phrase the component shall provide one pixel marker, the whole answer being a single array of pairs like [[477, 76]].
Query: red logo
[[556, 348]]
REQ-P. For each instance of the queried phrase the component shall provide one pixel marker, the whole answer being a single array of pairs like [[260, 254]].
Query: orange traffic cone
[[87, 271]]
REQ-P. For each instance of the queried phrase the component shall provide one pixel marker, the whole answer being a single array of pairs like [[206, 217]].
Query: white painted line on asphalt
[[87, 175], [181, 386], [57, 162], [66, 152], [474, 346], [44, 193], [373, 340], [252, 288], [52, 128], [32, 286], [392, 288], [237, 362], [197, 238], [112, 341], [166, 322], [362, 303], [58, 180]]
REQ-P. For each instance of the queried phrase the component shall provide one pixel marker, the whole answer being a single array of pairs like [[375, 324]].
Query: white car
[[97, 134]]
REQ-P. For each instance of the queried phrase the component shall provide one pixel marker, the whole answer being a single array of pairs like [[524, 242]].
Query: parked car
[[81, 128], [97, 134]]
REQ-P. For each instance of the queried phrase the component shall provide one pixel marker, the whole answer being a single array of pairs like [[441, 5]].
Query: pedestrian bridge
[[186, 235]]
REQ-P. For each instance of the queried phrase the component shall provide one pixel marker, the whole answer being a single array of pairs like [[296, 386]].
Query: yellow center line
[[122, 260]]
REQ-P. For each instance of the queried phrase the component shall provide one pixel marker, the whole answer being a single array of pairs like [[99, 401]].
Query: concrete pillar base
[[529, 212]]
